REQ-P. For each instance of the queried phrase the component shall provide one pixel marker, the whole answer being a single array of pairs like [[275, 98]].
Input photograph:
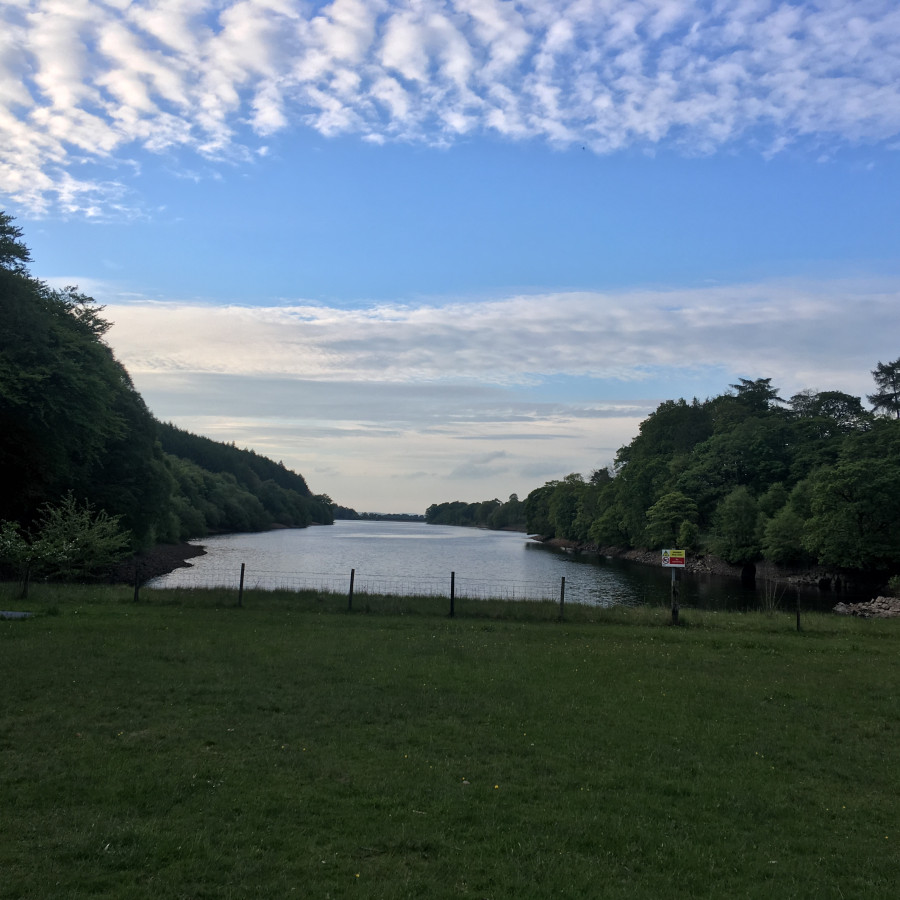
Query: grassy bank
[[181, 747]]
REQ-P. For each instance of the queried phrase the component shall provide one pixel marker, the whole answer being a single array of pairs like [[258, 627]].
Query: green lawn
[[182, 747]]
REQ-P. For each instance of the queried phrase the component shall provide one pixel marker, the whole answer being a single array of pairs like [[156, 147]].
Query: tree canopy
[[747, 476], [887, 397], [73, 425]]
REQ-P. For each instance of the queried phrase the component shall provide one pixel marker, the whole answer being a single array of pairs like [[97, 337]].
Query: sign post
[[673, 559]]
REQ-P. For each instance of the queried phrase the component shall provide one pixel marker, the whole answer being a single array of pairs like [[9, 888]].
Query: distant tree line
[[745, 475], [73, 430], [486, 514], [344, 512]]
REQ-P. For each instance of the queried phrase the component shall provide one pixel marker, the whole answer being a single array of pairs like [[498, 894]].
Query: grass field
[[182, 747]]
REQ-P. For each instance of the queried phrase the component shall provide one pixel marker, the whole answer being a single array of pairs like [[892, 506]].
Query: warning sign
[[673, 558]]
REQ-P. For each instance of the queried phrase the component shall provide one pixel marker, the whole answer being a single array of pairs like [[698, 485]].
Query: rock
[[879, 608]]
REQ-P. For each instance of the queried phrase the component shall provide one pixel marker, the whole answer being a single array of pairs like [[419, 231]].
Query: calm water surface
[[415, 558]]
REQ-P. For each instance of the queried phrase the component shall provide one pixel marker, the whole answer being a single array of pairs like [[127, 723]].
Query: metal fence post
[[452, 594], [562, 596], [241, 587], [350, 595]]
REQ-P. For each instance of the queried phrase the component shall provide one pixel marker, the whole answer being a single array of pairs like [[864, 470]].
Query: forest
[[75, 434], [747, 476]]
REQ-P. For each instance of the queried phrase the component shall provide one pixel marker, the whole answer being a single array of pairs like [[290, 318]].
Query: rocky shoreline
[[879, 608], [805, 577], [152, 563]]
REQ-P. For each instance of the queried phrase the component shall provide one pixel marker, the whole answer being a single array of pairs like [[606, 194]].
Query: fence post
[[350, 595], [674, 600], [241, 587], [452, 594], [137, 585], [798, 610], [562, 596]]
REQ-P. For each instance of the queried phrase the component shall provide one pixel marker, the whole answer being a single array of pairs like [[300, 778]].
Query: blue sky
[[424, 251]]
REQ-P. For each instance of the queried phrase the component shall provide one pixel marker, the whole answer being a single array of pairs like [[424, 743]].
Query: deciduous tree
[[666, 518]]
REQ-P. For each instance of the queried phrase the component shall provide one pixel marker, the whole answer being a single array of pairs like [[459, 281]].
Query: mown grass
[[182, 747]]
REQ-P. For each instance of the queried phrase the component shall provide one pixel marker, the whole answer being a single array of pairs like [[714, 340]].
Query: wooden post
[[674, 600], [241, 587], [562, 596], [452, 594], [137, 585], [798, 610], [350, 595]]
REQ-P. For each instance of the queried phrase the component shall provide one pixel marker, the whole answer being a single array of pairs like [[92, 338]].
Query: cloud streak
[[778, 328], [89, 86]]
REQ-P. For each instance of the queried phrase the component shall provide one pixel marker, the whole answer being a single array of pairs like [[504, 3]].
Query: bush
[[70, 541]]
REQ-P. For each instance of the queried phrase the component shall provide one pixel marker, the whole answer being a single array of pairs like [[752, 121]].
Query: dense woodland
[[746, 475], [72, 425]]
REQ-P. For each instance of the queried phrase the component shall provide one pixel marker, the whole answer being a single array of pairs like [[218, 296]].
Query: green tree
[[834, 412], [70, 540], [647, 467], [537, 510], [855, 519], [735, 527], [752, 452], [14, 255], [564, 506], [688, 535], [509, 515], [757, 395], [608, 530], [666, 518], [601, 477], [773, 499], [887, 397], [783, 535], [70, 418]]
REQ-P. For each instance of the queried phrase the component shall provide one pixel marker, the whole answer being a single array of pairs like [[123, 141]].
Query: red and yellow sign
[[673, 558]]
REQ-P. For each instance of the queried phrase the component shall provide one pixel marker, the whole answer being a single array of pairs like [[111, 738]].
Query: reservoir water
[[412, 558]]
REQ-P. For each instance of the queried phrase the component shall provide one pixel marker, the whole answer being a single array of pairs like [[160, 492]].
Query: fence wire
[[370, 583]]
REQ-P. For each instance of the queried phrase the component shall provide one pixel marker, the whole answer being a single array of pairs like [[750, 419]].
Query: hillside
[[71, 421]]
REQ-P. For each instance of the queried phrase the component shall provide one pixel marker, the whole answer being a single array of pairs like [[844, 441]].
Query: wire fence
[[450, 585]]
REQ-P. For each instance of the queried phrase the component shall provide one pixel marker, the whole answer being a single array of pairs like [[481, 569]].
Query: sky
[[426, 251]]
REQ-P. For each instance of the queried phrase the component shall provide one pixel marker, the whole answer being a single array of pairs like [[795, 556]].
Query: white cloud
[[484, 398], [99, 81], [776, 328]]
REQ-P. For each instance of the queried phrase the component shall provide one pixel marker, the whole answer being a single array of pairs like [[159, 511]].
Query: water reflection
[[413, 558]]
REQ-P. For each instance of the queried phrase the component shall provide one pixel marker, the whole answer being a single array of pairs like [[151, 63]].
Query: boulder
[[879, 608]]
